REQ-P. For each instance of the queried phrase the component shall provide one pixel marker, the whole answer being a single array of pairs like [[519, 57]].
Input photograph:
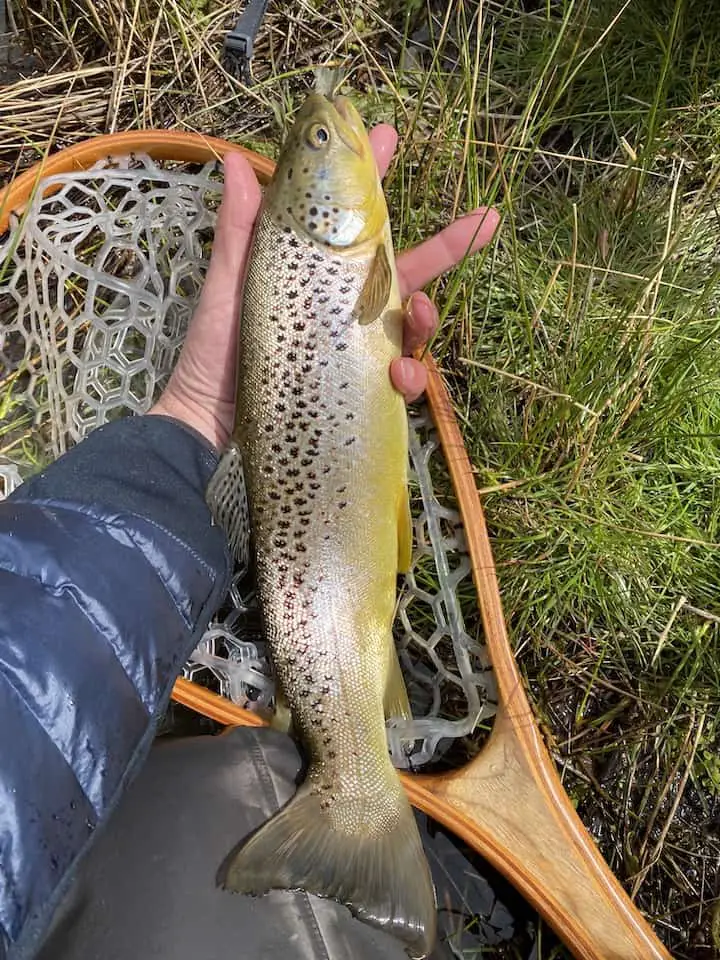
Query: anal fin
[[396, 701]]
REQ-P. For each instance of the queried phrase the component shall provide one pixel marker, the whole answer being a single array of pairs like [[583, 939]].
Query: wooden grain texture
[[175, 145], [508, 803]]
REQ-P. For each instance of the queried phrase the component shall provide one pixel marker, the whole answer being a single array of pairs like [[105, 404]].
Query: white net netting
[[98, 282]]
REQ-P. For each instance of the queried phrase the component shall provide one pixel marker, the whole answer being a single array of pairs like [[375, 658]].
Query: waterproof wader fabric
[[148, 887]]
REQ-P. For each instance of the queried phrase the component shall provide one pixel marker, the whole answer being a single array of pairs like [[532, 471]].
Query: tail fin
[[383, 879]]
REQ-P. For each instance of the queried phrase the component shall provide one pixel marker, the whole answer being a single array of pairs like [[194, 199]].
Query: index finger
[[383, 139], [466, 235]]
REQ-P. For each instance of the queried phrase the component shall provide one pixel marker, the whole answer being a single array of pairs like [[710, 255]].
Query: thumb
[[233, 233]]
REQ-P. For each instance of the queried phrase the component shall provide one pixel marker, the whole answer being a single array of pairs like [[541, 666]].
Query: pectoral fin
[[376, 292]]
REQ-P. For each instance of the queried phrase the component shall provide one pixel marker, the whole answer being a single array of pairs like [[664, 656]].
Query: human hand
[[201, 390]]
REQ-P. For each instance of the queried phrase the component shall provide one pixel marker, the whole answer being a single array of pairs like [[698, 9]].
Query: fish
[[321, 439]]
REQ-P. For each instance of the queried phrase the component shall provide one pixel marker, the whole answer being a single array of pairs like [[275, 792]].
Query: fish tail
[[384, 879]]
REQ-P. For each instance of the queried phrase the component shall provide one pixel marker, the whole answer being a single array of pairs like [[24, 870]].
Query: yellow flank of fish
[[323, 439]]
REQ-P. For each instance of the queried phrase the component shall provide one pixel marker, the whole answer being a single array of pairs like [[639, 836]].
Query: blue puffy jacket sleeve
[[110, 569]]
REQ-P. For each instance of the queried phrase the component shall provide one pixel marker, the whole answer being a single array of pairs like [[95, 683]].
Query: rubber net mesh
[[99, 278]]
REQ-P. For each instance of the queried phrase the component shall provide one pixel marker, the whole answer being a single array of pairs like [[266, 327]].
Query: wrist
[[192, 415]]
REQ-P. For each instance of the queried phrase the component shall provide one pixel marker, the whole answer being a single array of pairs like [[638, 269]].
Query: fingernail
[[406, 368], [423, 315]]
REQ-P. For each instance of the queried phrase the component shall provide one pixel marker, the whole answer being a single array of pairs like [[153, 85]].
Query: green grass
[[581, 348]]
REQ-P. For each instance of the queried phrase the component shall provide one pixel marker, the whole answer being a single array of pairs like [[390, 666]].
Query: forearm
[[110, 569]]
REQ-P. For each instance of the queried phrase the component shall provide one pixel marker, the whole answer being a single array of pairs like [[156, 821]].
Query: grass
[[582, 347]]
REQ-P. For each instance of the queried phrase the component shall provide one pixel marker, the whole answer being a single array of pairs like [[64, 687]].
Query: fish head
[[326, 184]]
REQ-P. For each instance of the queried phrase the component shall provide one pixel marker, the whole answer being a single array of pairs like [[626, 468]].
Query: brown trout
[[322, 435]]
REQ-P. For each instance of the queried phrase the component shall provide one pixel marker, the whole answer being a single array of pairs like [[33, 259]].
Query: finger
[[235, 221], [211, 336], [409, 377], [467, 234], [383, 139], [421, 321]]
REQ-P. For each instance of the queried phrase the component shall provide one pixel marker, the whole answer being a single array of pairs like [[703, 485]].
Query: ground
[[581, 348]]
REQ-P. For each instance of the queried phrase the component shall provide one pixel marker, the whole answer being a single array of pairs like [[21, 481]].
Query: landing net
[[99, 278]]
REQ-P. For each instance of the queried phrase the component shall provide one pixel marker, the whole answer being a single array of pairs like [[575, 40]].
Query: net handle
[[159, 144], [525, 824]]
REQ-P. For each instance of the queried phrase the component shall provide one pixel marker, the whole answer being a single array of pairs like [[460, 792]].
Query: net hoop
[[536, 839]]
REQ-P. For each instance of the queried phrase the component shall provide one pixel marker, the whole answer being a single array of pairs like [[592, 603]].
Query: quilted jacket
[[110, 569]]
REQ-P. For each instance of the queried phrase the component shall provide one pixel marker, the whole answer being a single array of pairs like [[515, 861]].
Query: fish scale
[[302, 420], [322, 435]]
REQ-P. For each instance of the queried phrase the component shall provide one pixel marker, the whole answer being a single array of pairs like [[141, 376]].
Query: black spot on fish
[[312, 225], [313, 211], [289, 176]]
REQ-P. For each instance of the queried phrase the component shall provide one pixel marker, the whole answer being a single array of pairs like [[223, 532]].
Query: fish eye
[[318, 135]]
